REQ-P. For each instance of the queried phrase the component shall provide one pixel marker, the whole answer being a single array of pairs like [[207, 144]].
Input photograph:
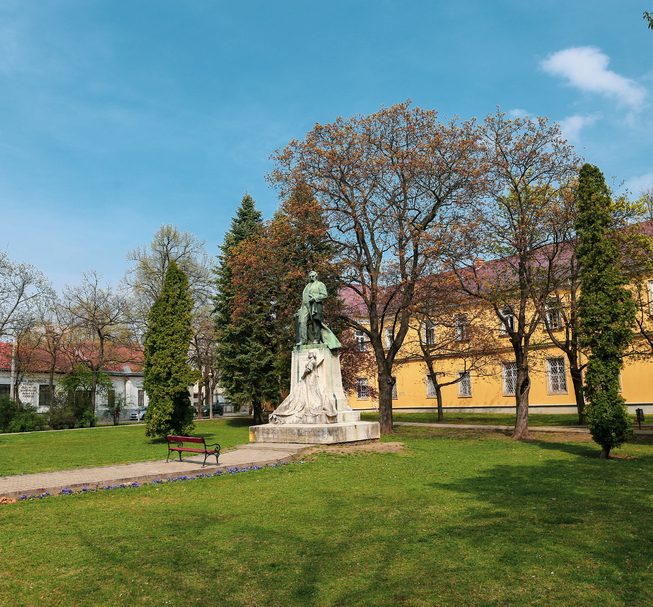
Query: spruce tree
[[241, 352], [167, 374], [606, 310]]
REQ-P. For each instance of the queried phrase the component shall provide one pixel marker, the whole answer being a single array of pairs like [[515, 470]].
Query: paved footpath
[[552, 429], [253, 454]]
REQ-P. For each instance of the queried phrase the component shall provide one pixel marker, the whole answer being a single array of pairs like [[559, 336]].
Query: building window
[[461, 323], [552, 314], [465, 384], [389, 335], [362, 388], [361, 340], [430, 387], [507, 321], [556, 375], [650, 296], [141, 398], [428, 333], [4, 390], [45, 398], [509, 374], [111, 399], [395, 394]]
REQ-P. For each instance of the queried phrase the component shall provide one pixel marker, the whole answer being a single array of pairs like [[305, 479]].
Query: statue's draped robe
[[309, 402]]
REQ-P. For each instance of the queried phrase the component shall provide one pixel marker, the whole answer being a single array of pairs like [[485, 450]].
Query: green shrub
[[27, 421], [88, 420], [19, 417], [62, 415]]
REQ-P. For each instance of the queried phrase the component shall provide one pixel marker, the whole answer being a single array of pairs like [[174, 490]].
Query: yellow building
[[490, 388]]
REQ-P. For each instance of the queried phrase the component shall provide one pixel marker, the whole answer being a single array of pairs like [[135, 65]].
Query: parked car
[[139, 414], [217, 410]]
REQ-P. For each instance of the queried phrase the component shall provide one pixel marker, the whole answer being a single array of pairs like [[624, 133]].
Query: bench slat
[[185, 439]]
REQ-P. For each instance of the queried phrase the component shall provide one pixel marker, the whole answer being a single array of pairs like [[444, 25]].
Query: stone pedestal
[[315, 434], [348, 427], [329, 372]]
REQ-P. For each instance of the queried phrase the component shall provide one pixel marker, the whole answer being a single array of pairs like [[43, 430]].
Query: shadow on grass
[[238, 422]]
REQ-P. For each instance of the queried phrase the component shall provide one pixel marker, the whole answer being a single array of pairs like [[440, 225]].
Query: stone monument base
[[317, 434]]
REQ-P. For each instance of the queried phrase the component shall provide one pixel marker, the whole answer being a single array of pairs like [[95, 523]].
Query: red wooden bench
[[194, 440]]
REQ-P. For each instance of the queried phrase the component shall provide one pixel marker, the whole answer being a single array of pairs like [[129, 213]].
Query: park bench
[[202, 447]]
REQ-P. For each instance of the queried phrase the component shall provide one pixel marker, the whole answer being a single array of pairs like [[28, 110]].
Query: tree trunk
[[438, 394], [51, 385], [521, 399], [209, 395], [577, 381], [605, 453], [257, 409], [93, 392], [385, 403]]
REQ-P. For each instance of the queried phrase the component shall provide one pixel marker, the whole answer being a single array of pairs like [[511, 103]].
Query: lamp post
[[210, 395]]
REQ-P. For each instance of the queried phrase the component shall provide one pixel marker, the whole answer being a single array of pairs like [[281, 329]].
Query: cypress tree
[[606, 309], [167, 374]]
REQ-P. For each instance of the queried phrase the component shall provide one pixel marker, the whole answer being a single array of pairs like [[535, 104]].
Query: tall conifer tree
[[167, 374], [606, 310], [242, 354]]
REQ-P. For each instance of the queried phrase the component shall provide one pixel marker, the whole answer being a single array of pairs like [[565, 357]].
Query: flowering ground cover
[[103, 446], [456, 518]]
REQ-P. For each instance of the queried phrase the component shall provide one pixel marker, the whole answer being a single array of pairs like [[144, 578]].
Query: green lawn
[[458, 518], [102, 446], [494, 419]]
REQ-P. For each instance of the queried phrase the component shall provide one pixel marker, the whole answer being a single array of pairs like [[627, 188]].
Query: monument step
[[315, 434], [349, 416]]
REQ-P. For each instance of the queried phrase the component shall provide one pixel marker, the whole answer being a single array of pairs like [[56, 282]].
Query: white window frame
[[388, 336], [507, 320], [395, 393], [465, 385], [649, 288], [553, 316], [509, 376], [556, 375], [362, 388], [430, 386], [428, 333], [361, 340], [461, 322]]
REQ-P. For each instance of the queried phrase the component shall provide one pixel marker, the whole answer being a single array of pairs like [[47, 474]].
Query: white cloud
[[517, 113], [585, 67], [572, 125], [638, 184]]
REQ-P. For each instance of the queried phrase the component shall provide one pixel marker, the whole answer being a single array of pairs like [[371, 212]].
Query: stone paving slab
[[143, 472]]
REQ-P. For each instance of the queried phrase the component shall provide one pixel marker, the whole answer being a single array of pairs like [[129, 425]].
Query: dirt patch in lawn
[[355, 448]]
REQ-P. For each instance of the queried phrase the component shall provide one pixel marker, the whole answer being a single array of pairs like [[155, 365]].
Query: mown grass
[[103, 446], [493, 419], [458, 518]]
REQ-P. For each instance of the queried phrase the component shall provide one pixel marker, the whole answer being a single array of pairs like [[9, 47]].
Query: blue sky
[[117, 116]]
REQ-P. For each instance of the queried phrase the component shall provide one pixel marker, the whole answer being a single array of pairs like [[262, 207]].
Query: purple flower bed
[[158, 481]]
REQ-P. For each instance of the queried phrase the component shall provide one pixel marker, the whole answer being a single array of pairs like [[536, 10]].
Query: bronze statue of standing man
[[309, 320]]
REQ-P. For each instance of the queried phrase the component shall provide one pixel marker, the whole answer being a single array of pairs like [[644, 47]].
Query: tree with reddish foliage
[[280, 254], [382, 182], [448, 325], [524, 217]]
